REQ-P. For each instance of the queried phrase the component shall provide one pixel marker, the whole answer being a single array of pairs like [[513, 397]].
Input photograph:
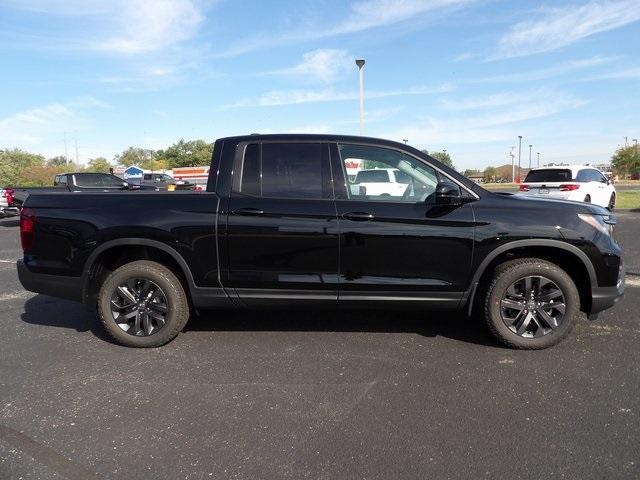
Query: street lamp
[[360, 63], [538, 158], [519, 154], [513, 168], [530, 156], [405, 140]]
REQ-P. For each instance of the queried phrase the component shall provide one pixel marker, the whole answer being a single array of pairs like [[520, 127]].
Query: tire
[[149, 291], [587, 199], [612, 202], [540, 332]]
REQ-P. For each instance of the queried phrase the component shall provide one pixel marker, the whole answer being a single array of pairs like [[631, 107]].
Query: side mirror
[[448, 193]]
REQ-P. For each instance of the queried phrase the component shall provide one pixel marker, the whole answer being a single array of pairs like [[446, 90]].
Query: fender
[[527, 243], [204, 297]]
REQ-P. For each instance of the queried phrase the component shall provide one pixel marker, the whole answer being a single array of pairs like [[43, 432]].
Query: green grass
[[628, 199]]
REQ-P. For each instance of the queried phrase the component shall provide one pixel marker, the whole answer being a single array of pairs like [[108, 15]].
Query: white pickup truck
[[380, 182]]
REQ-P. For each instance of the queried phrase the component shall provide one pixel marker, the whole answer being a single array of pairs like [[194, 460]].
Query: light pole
[[538, 158], [530, 156], [513, 167], [519, 154], [635, 140], [405, 140], [360, 63]]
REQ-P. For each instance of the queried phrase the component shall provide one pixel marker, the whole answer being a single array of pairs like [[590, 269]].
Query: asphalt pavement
[[315, 394]]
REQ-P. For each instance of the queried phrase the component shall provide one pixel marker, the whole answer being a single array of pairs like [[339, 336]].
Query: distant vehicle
[[165, 182], [278, 226], [79, 182], [7, 209], [380, 182], [576, 182]]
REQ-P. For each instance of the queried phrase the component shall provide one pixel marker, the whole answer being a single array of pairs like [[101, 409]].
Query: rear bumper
[[9, 211], [59, 286]]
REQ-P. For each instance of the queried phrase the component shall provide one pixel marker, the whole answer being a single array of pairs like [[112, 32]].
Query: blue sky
[[468, 76]]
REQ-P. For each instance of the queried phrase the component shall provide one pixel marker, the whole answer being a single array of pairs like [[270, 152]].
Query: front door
[[396, 244], [282, 238]]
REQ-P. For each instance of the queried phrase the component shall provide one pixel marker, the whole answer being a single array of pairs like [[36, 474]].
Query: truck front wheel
[[143, 304], [531, 303]]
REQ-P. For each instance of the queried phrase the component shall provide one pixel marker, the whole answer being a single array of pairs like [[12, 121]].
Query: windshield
[[549, 175], [98, 180]]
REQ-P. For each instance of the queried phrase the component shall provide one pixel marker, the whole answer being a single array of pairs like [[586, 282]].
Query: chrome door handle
[[248, 212], [358, 216]]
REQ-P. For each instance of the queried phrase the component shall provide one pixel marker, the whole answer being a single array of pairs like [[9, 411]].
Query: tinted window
[[250, 170], [372, 176], [590, 175], [549, 175], [147, 176], [293, 170], [97, 180], [415, 181]]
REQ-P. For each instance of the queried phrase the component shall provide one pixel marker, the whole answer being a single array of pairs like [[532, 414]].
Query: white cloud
[[362, 15], [48, 123], [294, 97], [324, 65], [493, 126], [549, 72], [562, 26], [150, 25], [625, 74]]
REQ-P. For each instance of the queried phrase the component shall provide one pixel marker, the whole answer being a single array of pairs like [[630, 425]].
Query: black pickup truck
[[282, 224], [79, 182]]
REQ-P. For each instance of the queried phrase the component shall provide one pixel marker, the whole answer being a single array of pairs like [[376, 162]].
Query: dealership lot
[[301, 394]]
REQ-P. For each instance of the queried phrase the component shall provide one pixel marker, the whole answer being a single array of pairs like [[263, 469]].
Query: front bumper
[[603, 298], [69, 288]]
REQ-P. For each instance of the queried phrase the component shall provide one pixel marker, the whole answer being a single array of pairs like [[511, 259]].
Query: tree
[[442, 157], [135, 156], [187, 153], [57, 161], [99, 164], [155, 165], [626, 160], [490, 174], [471, 172], [14, 162]]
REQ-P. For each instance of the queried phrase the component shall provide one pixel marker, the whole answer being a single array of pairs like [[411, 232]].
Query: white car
[[5, 209], [380, 182], [580, 183]]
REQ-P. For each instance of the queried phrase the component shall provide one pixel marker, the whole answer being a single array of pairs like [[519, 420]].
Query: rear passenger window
[[285, 170], [589, 175]]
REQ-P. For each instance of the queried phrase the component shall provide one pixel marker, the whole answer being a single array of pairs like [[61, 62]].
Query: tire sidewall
[[517, 272], [170, 286]]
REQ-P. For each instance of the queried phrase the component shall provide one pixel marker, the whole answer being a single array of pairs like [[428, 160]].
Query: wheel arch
[[567, 256], [117, 252]]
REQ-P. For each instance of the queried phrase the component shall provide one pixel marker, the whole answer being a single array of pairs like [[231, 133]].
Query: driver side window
[[382, 174]]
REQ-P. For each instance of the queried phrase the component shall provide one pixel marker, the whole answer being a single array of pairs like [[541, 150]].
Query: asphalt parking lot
[[315, 394]]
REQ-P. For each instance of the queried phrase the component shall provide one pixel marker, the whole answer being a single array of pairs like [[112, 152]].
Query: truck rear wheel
[[531, 304], [143, 304]]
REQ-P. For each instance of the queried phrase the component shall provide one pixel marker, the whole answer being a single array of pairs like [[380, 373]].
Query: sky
[[467, 76]]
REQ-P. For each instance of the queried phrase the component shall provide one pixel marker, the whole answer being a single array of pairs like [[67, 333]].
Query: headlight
[[602, 223]]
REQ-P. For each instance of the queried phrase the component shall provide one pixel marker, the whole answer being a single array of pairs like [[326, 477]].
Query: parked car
[[377, 182], [278, 226], [577, 182], [165, 182], [7, 208], [80, 182]]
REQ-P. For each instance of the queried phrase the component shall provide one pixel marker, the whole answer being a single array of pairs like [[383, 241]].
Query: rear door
[[596, 185], [401, 247], [282, 239]]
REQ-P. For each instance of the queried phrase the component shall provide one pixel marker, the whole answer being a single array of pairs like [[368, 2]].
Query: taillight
[[8, 194], [27, 228], [569, 187], [524, 188]]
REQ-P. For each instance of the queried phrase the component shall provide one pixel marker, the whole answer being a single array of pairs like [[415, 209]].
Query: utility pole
[[66, 150], [519, 155], [513, 166], [626, 141], [530, 156], [538, 158], [360, 63]]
